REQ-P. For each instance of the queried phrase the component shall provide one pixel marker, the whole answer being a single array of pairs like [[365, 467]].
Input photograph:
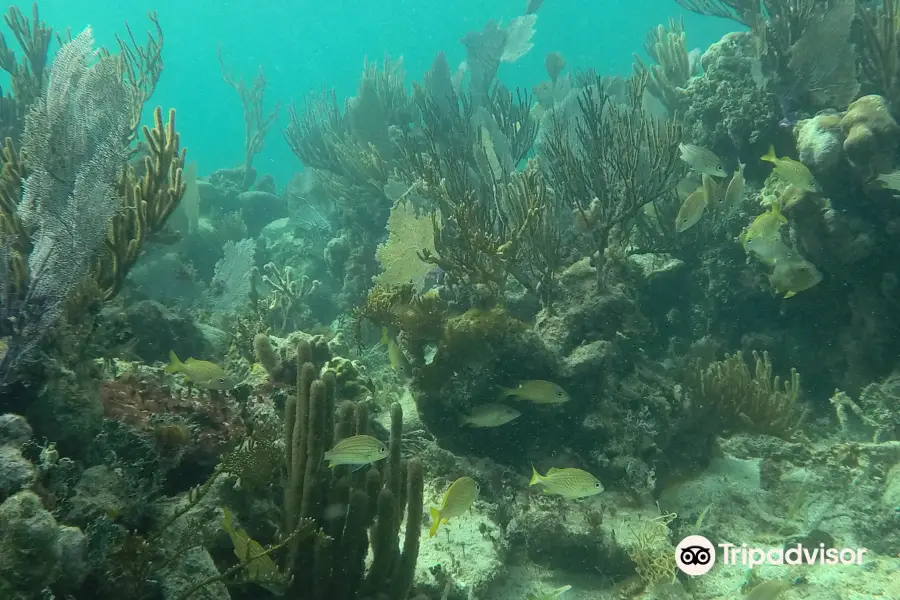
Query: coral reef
[[870, 134], [741, 123], [539, 304]]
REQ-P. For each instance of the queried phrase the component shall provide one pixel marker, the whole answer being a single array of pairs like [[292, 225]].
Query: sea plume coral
[[728, 397]]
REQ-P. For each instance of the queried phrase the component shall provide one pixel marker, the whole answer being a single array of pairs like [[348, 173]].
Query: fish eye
[[382, 449], [222, 380], [597, 485]]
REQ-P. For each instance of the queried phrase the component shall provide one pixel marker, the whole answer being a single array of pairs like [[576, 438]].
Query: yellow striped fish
[[792, 171], [260, 566], [568, 483], [702, 160], [456, 501], [356, 450]]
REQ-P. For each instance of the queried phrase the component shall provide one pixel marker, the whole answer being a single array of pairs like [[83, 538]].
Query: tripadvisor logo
[[696, 555]]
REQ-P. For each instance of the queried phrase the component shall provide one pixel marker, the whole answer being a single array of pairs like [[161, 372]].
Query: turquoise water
[[304, 45]]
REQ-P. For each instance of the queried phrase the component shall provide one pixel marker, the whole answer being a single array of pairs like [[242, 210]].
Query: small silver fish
[[702, 160], [691, 210], [890, 180], [537, 391], [734, 194], [767, 590], [490, 415], [551, 595]]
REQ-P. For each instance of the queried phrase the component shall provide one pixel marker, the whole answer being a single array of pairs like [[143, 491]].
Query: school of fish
[[790, 273]]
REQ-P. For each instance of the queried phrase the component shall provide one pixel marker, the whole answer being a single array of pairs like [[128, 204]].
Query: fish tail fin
[[535, 476], [226, 520], [435, 521], [462, 420], [385, 338], [776, 212], [770, 155], [175, 365]]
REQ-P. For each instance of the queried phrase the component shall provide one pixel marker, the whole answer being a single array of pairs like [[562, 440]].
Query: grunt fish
[[490, 415], [767, 590], [456, 501], [260, 568], [568, 483], [356, 450], [691, 210], [792, 171], [734, 193], [771, 250], [764, 226], [790, 277], [702, 160], [398, 360], [203, 373], [537, 391]]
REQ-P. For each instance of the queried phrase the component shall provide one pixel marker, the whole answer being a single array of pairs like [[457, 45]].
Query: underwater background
[[305, 45], [520, 300]]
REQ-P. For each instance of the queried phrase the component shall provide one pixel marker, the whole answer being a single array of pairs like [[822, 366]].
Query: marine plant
[[779, 23], [409, 236], [727, 397], [486, 231], [355, 153], [75, 216], [672, 69], [420, 316], [618, 160], [880, 47], [67, 199], [494, 222], [133, 560], [804, 44], [878, 409], [285, 301], [142, 66], [257, 121], [28, 75], [652, 551], [334, 568], [146, 200]]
